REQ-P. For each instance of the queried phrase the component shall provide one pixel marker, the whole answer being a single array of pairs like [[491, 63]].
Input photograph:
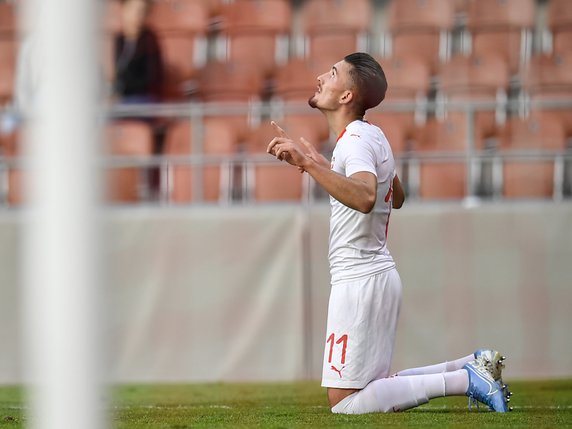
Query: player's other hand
[[314, 154]]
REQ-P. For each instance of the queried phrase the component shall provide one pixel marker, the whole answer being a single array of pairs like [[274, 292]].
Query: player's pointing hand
[[285, 149]]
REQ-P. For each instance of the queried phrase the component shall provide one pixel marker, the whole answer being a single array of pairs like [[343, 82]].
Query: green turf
[[538, 404]]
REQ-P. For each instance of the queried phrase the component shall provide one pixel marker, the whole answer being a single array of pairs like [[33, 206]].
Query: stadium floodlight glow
[[60, 271]]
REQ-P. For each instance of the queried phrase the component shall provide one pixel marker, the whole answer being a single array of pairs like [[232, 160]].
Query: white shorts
[[362, 319]]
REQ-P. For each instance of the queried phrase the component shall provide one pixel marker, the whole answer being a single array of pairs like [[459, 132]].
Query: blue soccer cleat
[[494, 362], [484, 388]]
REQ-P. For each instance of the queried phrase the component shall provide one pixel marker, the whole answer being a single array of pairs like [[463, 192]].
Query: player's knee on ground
[[384, 396]]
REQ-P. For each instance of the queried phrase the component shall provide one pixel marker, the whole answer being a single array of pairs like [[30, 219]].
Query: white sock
[[438, 368], [456, 382], [393, 394]]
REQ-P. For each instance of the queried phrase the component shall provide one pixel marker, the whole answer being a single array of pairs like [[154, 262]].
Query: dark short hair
[[369, 80]]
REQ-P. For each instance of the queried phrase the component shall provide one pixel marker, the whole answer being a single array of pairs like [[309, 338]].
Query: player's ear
[[346, 97]]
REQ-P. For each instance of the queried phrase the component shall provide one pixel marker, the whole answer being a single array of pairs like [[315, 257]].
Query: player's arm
[[358, 192], [398, 193]]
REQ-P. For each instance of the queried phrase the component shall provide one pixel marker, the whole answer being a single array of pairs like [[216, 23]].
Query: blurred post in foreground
[[62, 317]]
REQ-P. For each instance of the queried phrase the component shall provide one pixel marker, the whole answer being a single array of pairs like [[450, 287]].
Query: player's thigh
[[362, 318]]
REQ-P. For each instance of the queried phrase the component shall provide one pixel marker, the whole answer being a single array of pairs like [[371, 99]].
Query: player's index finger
[[280, 130]]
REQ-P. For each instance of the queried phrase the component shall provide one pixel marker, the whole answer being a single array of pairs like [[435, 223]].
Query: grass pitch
[[538, 404]]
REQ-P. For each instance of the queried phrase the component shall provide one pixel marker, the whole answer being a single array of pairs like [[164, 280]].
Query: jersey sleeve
[[360, 156]]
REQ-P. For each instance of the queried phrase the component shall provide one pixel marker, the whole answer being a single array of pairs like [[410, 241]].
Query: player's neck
[[338, 120]]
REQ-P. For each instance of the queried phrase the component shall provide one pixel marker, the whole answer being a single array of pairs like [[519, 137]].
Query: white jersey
[[358, 242]]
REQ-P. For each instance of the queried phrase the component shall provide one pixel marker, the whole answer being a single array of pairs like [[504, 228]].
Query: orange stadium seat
[[179, 16], [257, 32], [408, 80], [218, 138], [549, 78], [462, 80], [421, 28], [540, 134], [221, 81], [559, 22], [475, 78], [8, 52], [503, 27], [297, 80], [11, 149], [277, 181], [225, 86], [335, 28], [181, 26], [130, 138], [8, 21], [442, 180]]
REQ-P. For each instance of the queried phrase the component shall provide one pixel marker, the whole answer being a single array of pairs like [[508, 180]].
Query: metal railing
[[484, 169]]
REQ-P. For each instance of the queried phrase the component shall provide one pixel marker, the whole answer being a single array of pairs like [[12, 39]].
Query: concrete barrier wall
[[211, 294]]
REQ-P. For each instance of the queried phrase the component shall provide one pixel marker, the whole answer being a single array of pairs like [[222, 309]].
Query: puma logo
[[339, 371]]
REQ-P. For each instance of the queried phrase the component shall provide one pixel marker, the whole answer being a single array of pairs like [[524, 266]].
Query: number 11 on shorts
[[342, 340]]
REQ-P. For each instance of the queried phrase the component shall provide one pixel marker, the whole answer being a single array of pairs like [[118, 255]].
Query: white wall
[[209, 294]]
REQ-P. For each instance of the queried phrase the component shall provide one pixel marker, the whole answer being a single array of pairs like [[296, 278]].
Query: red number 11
[[343, 339]]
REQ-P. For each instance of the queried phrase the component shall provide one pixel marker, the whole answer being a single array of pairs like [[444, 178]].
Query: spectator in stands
[[138, 75], [137, 54]]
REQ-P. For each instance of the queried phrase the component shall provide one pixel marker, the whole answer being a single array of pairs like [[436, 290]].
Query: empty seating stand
[[559, 22], [422, 28], [530, 147], [181, 26], [462, 81], [335, 28], [256, 32], [547, 80], [503, 27]]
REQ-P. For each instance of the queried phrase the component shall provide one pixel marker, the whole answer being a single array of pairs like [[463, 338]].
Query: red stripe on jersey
[[341, 135]]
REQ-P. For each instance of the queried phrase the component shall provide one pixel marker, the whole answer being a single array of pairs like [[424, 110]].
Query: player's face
[[331, 87]]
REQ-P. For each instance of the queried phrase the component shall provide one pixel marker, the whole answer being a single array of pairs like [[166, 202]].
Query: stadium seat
[[222, 81], [230, 91], [179, 16], [218, 138], [442, 180], [127, 138], [8, 52], [335, 28], [8, 22], [181, 26], [559, 21], [503, 27], [465, 79], [408, 82], [257, 32], [277, 181], [296, 80], [182, 62], [421, 28], [548, 78], [531, 140], [462, 80], [11, 149]]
